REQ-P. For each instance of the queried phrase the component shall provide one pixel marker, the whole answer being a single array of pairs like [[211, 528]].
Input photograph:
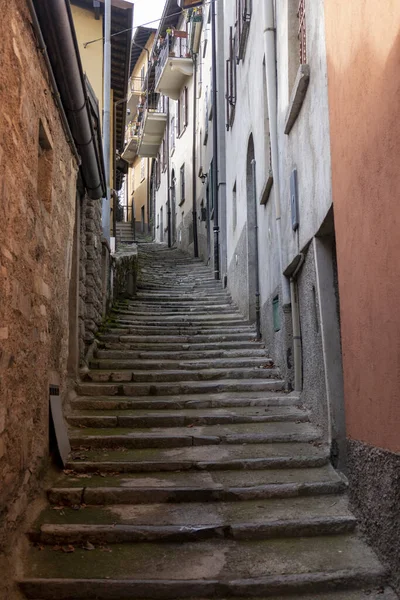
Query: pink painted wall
[[363, 51]]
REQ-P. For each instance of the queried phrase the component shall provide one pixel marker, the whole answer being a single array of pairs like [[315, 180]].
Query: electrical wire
[[86, 44]]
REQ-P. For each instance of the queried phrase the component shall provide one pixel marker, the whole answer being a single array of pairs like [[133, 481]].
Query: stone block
[[3, 333]]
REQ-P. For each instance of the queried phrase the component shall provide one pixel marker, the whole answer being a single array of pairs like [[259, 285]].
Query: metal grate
[[301, 14]]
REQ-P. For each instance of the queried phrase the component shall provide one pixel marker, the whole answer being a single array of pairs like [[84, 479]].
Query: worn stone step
[[180, 355], [181, 328], [195, 401], [160, 340], [252, 519], [215, 568], [188, 417], [200, 364], [178, 388], [229, 318], [172, 437], [181, 345], [193, 486], [297, 455], [181, 375]]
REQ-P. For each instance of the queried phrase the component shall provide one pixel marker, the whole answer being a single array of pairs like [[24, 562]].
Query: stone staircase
[[124, 233], [192, 473]]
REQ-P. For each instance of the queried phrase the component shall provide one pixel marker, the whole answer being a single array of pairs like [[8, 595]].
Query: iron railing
[[172, 47]]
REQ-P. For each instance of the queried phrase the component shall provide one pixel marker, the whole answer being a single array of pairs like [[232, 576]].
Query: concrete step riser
[[140, 365], [154, 404], [155, 466], [172, 421], [161, 356], [179, 346], [106, 495], [180, 329], [285, 585], [120, 534], [177, 389], [183, 339], [204, 374]]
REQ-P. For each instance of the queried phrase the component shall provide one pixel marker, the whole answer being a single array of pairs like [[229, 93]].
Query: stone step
[[198, 458], [220, 319], [193, 401], [183, 374], [185, 418], [175, 308], [251, 519], [170, 355], [182, 346], [176, 437], [160, 340], [179, 388], [210, 568], [182, 329], [193, 486]]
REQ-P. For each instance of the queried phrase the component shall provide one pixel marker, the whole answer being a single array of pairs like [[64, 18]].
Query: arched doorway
[[251, 231]]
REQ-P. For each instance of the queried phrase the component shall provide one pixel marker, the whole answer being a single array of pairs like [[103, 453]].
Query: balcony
[[136, 87], [152, 125], [131, 141], [174, 65]]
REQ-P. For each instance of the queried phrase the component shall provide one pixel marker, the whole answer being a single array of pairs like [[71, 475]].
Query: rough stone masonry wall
[[90, 273], [36, 238]]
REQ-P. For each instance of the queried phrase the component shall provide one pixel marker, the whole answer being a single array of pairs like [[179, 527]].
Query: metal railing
[[174, 46]]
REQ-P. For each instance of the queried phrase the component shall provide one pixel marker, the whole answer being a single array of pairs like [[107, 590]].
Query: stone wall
[[37, 215], [90, 273]]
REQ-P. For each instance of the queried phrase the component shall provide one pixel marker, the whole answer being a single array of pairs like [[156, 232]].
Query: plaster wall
[[363, 46], [37, 213]]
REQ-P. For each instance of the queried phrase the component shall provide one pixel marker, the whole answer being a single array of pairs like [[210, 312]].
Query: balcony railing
[[173, 64], [152, 125]]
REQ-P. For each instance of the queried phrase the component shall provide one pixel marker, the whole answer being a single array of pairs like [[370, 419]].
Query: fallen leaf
[[68, 549], [58, 507], [88, 546]]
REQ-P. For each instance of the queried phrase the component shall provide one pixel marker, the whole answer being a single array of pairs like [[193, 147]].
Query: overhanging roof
[[139, 41], [121, 21]]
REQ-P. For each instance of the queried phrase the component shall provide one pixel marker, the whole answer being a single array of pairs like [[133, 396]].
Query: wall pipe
[[56, 94], [270, 71], [168, 180], [105, 212], [297, 349], [256, 266], [194, 176], [215, 186], [56, 25]]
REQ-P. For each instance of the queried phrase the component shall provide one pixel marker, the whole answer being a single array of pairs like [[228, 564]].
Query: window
[[234, 208], [45, 167], [142, 169], [142, 76], [182, 111], [164, 154], [132, 180], [301, 15], [206, 117], [172, 134], [182, 184], [230, 81], [243, 16], [158, 171]]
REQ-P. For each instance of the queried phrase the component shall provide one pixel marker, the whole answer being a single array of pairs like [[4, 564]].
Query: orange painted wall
[[363, 51]]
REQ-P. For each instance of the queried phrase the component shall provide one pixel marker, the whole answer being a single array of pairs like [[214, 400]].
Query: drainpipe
[[56, 94], [115, 195], [168, 182], [194, 176], [215, 140], [270, 70], [297, 351], [257, 294], [54, 19], [105, 213]]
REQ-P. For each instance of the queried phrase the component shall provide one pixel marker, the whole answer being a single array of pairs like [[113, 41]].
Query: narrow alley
[[192, 473], [199, 300]]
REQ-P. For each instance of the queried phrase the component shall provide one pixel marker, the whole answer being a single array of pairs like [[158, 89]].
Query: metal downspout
[[215, 141], [270, 71], [256, 266], [194, 176], [168, 180], [105, 213]]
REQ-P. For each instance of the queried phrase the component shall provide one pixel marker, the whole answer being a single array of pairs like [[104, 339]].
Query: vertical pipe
[[256, 266], [194, 175], [168, 179], [270, 71], [215, 139], [148, 194], [105, 214]]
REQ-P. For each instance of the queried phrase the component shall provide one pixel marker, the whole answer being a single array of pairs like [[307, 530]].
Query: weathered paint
[[363, 55]]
